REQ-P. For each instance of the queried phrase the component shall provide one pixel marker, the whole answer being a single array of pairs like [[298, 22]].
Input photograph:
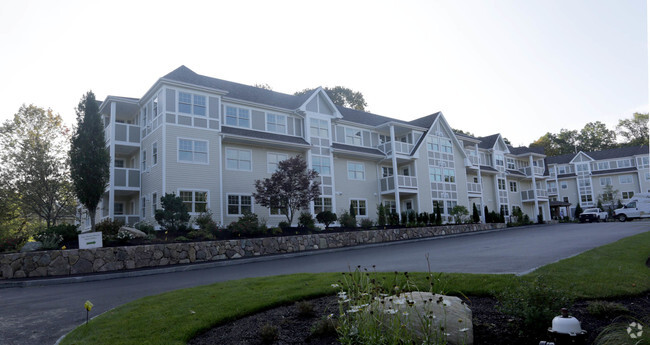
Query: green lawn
[[616, 269]]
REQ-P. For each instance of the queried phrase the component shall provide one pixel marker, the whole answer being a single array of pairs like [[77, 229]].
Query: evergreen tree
[[487, 215], [381, 214], [89, 156], [438, 215], [578, 210], [475, 217]]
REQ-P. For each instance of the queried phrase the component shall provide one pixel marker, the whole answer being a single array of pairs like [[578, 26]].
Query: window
[[119, 163], [627, 195], [504, 210], [154, 204], [237, 159], [154, 153], [586, 198], [513, 186], [321, 164], [605, 181], [238, 204], [450, 206], [356, 171], [501, 184], [144, 161], [387, 171], [624, 163], [564, 185], [445, 144], [353, 136], [322, 204], [154, 103], [498, 160], [566, 199], [435, 174], [432, 144], [238, 117], [390, 206], [195, 201], [450, 175], [359, 206], [582, 167], [276, 123], [272, 160], [191, 104], [192, 151], [625, 179], [118, 208], [511, 163], [276, 211], [143, 207], [643, 162], [561, 170], [318, 128], [385, 138], [603, 165], [647, 176], [584, 182]]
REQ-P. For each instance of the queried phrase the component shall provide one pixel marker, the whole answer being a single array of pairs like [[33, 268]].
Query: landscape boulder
[[135, 232], [31, 247]]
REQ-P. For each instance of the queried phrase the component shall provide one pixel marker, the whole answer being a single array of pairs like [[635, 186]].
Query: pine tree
[[475, 215], [89, 157]]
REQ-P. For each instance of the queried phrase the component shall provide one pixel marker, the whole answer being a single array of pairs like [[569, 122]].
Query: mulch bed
[[490, 326]]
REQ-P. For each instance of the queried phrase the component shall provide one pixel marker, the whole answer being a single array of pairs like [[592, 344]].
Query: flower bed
[[81, 261]]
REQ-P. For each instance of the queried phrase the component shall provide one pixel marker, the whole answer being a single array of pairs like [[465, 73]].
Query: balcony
[[529, 195], [123, 134], [474, 187], [538, 171], [403, 182], [552, 190], [400, 147], [126, 178]]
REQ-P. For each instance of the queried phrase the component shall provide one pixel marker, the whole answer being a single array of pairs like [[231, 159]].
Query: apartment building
[[207, 140]]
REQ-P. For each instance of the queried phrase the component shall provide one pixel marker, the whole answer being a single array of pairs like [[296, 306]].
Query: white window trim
[[250, 115], [266, 122], [286, 156], [356, 211], [143, 161], [115, 208], [564, 185], [178, 151], [628, 178], [240, 194], [207, 198], [513, 183], [322, 159], [154, 156], [328, 127], [191, 113], [346, 136], [603, 181], [322, 199], [225, 156], [119, 160], [348, 170], [154, 202]]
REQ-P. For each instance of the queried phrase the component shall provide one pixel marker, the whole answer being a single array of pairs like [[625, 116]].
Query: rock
[[438, 310], [31, 246], [58, 266], [81, 266], [135, 232]]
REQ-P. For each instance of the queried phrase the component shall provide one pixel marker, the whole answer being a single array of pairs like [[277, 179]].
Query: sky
[[519, 68]]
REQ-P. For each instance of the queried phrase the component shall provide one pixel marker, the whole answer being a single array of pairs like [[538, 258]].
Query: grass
[[613, 270]]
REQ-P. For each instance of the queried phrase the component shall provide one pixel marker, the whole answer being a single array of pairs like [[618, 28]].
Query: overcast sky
[[521, 68]]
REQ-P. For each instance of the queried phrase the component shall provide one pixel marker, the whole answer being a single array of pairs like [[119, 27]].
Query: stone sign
[[90, 240]]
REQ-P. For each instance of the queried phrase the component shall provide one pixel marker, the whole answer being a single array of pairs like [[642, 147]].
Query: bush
[[173, 216], [205, 221], [411, 217], [606, 309], [200, 235], [247, 225], [532, 304], [526, 220], [269, 334], [366, 223], [68, 232], [124, 237], [327, 218], [145, 227], [305, 220], [381, 214], [423, 218], [11, 244], [347, 220], [109, 228], [394, 218], [181, 239], [284, 225], [475, 216], [403, 219], [50, 240], [459, 213], [305, 309], [540, 219]]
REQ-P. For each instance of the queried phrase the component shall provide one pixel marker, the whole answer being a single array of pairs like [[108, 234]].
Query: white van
[[638, 207]]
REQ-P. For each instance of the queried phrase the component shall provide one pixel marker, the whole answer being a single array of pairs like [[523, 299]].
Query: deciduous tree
[[595, 136], [291, 187], [89, 156], [634, 130], [342, 96]]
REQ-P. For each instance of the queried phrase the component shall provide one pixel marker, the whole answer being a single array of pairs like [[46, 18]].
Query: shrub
[[305, 309], [460, 213], [423, 218], [403, 219], [68, 232], [109, 228], [526, 220], [621, 330], [247, 225], [11, 244], [438, 215], [347, 220], [381, 214], [411, 217], [540, 219], [394, 218], [366, 223], [579, 210], [145, 227], [488, 218], [327, 218], [200, 235], [606, 309], [50, 240], [532, 304], [205, 221], [174, 215], [269, 334], [324, 327], [284, 225], [475, 216], [305, 220], [124, 237], [181, 239]]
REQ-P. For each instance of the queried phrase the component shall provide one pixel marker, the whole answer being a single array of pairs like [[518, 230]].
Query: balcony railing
[[400, 147], [529, 195], [128, 219], [539, 171], [123, 133], [473, 187], [124, 177], [388, 183], [552, 190]]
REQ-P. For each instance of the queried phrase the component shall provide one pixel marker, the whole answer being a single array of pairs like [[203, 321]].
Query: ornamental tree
[[291, 187], [89, 157], [173, 216]]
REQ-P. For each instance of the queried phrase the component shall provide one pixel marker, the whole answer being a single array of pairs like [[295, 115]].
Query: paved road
[[42, 314]]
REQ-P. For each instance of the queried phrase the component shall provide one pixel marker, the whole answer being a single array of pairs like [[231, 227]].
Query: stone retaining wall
[[79, 261]]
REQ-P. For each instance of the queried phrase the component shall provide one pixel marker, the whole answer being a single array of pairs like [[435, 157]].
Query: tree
[[342, 96], [634, 130], [609, 196], [89, 156], [264, 86], [327, 218], [291, 187], [174, 215], [460, 213], [595, 136], [578, 211], [549, 142], [33, 151], [381, 214], [475, 216]]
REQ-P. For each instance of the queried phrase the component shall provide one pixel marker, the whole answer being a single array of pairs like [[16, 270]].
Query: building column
[[480, 181], [111, 184], [532, 173], [398, 207]]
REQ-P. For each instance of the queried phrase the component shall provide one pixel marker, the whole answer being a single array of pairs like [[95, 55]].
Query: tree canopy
[[594, 136], [291, 187], [35, 172], [634, 130], [342, 96], [89, 156]]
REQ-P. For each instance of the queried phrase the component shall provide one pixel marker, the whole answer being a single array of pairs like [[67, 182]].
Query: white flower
[[463, 330], [335, 285], [405, 313], [330, 316], [353, 310], [342, 295], [390, 311], [399, 301]]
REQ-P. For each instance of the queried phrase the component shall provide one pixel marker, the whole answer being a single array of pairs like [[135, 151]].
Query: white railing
[[128, 219], [124, 177], [388, 183], [400, 147], [473, 187], [529, 195], [539, 171]]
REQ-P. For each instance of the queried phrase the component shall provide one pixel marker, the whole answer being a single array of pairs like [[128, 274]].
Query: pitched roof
[[364, 118], [425, 121], [263, 135], [523, 149], [618, 152], [366, 150], [613, 171], [488, 142]]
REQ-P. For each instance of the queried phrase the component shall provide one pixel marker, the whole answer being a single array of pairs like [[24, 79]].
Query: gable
[[581, 157], [320, 103], [440, 126]]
